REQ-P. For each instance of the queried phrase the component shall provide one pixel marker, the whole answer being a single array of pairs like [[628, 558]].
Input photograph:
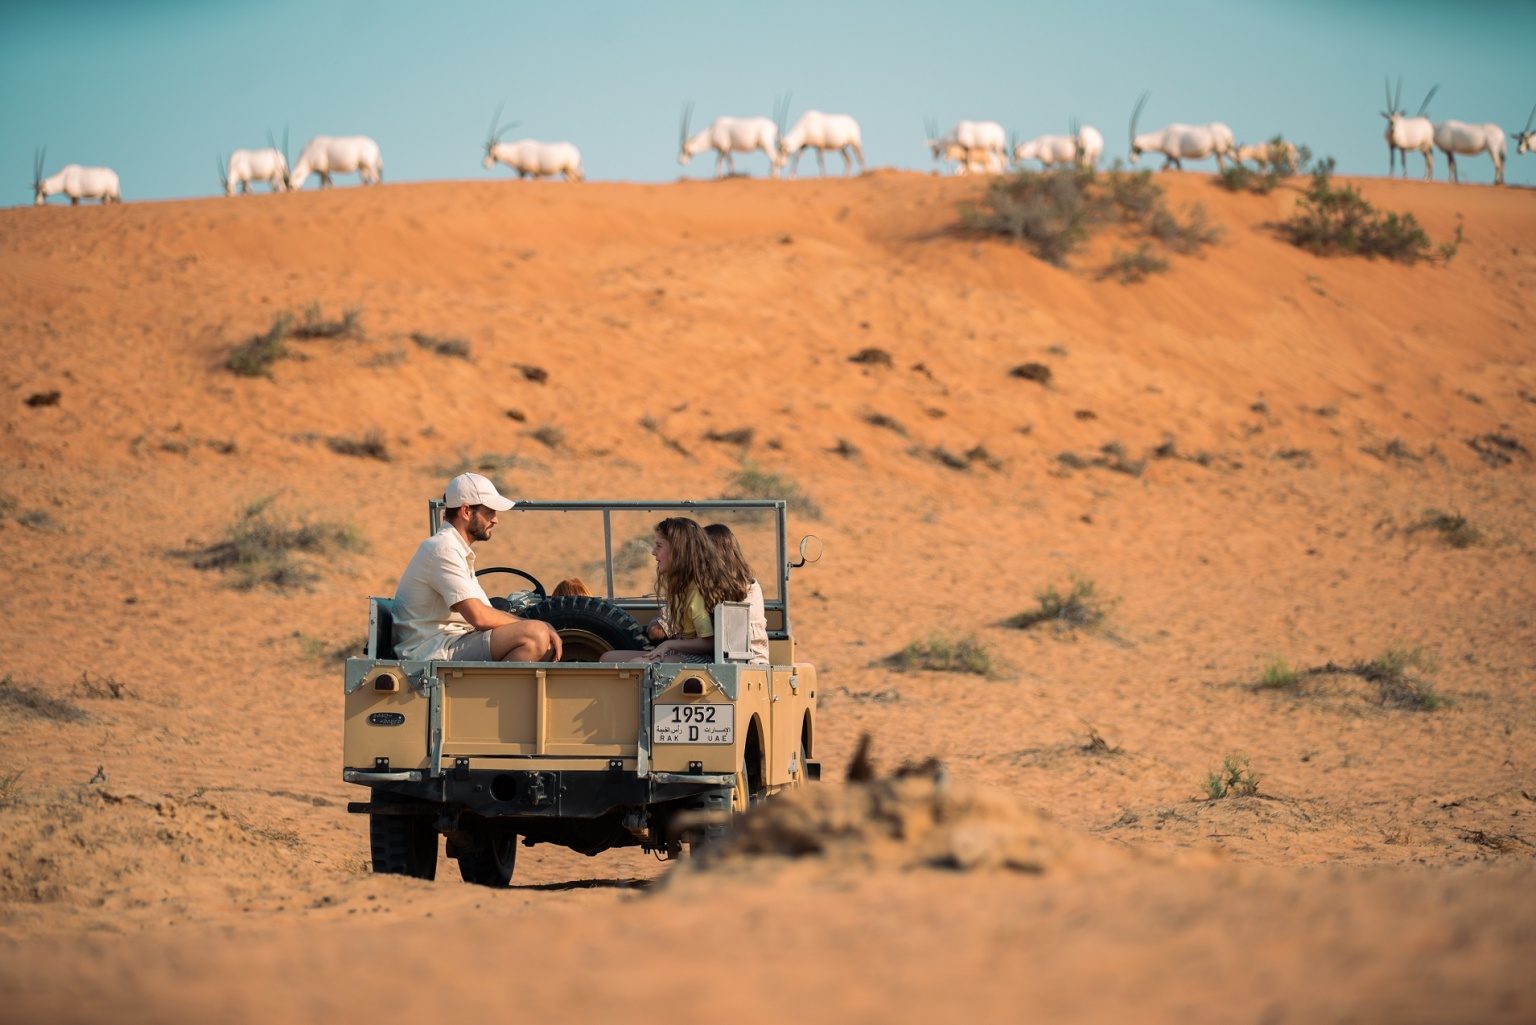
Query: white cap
[[473, 489]]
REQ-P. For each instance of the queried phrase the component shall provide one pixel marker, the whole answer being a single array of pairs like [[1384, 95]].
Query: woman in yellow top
[[690, 583]]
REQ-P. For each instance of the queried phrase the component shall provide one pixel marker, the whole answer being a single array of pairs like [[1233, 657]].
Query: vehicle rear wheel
[[588, 626], [402, 845], [487, 858]]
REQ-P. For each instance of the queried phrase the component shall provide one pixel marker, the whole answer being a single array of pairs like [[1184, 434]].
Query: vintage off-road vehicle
[[580, 753]]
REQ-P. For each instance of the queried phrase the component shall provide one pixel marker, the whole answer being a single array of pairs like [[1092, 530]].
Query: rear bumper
[[528, 793]]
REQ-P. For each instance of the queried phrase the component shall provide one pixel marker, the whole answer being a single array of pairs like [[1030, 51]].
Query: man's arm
[[482, 616]]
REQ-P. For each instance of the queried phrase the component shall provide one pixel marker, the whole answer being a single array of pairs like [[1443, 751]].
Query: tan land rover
[[580, 753]]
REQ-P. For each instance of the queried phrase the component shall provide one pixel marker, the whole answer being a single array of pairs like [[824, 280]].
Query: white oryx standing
[[1180, 142], [1458, 137], [529, 157], [1525, 139], [326, 155], [1083, 147], [1409, 133], [254, 165], [973, 144], [727, 135], [822, 132], [75, 181]]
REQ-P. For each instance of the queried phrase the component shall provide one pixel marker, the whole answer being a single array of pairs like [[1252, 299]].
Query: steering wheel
[[538, 588]]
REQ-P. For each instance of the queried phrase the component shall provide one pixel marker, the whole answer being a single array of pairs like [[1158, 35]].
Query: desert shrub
[[549, 436], [1235, 779], [739, 436], [453, 348], [940, 655], [1277, 674], [1037, 372], [258, 549], [105, 687], [1051, 212], [1128, 268], [254, 357], [1331, 219], [871, 357], [887, 422], [370, 446], [1182, 236], [1453, 528], [487, 463], [1391, 672], [1134, 193], [315, 325], [1054, 212], [20, 699], [1079, 608], [632, 555], [1241, 178], [10, 785], [752, 482]]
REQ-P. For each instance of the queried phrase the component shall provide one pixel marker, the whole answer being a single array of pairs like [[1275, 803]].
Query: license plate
[[695, 723]]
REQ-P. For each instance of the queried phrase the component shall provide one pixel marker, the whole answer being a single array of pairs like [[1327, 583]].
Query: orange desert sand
[[1241, 455]]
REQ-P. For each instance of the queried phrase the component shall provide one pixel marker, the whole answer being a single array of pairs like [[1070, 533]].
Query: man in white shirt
[[441, 611]]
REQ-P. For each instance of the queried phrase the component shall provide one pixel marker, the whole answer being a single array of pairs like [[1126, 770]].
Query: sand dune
[[1241, 455]]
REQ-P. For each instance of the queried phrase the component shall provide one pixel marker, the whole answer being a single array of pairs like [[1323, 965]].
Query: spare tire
[[588, 626]]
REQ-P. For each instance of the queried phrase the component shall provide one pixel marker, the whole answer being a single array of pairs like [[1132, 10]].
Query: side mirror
[[811, 549]]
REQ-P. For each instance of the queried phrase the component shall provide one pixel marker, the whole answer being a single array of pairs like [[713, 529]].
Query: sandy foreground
[[1245, 456]]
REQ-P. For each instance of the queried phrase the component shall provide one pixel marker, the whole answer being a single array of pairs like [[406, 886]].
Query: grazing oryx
[[1453, 137], [254, 165], [731, 134], [326, 155], [1525, 139], [822, 132], [1409, 133], [527, 157], [1083, 147], [76, 182], [1278, 154], [974, 145], [1179, 142]]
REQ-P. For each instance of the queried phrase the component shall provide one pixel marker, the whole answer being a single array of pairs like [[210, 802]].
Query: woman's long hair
[[694, 565], [734, 570]]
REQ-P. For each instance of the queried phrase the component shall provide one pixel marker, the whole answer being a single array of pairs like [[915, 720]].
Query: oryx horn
[[781, 111], [223, 171], [683, 124], [38, 157], [1137, 113], [1427, 97]]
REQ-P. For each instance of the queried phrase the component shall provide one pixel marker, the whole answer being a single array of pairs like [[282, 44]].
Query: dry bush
[[452, 348], [1080, 608], [315, 325], [21, 700], [258, 549], [255, 356], [1331, 220]]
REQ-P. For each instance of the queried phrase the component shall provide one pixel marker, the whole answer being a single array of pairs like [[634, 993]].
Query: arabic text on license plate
[[696, 723]]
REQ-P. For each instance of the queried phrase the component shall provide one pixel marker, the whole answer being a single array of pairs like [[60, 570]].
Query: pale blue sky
[[157, 89]]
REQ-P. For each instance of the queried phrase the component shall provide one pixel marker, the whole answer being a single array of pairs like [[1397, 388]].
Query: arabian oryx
[[1180, 142], [528, 157], [255, 165], [822, 132], [1278, 154], [76, 182], [727, 135], [1409, 133], [973, 145], [1458, 137], [1083, 148], [326, 155], [1525, 139]]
